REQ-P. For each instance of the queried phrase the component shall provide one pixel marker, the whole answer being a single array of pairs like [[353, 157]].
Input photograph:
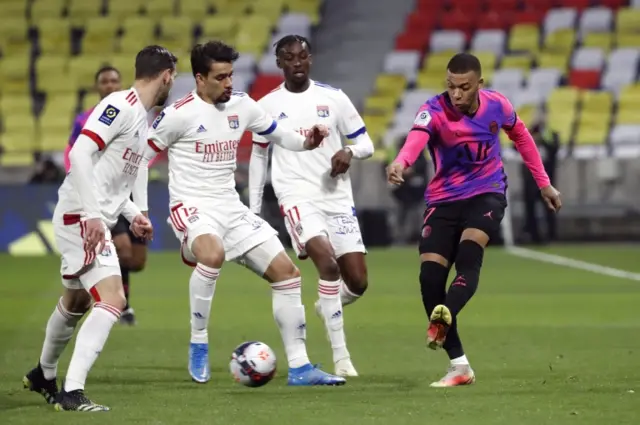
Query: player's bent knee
[[138, 260], [469, 257], [321, 253], [435, 258], [478, 236], [356, 280], [109, 290], [208, 250], [76, 301], [281, 268]]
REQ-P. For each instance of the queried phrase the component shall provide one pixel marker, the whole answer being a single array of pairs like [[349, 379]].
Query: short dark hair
[[103, 69], [152, 60], [462, 63], [290, 39], [203, 55]]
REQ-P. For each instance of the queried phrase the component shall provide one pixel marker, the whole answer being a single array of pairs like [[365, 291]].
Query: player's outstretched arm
[[258, 168], [414, 145]]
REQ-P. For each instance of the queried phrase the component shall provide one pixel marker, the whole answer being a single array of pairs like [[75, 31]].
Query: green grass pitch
[[550, 345]]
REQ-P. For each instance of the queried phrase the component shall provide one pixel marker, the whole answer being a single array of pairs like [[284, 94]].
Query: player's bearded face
[[108, 82], [218, 83], [463, 90], [167, 82]]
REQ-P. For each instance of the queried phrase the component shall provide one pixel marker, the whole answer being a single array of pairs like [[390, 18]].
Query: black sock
[[453, 345], [468, 264], [433, 284], [125, 284]]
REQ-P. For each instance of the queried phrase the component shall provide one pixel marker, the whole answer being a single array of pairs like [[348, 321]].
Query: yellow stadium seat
[[592, 128], [380, 105], [561, 41], [90, 100], [54, 36], [126, 65], [431, 80], [376, 126], [596, 102], [123, 9], [139, 26], [20, 132], [14, 74], [176, 33], [563, 123], [310, 8], [100, 35], [195, 9], [14, 35], [82, 69], [628, 40], [603, 40], [437, 61], [524, 37], [561, 111], [627, 20], [390, 84], [81, 10], [157, 9], [184, 62], [219, 27], [16, 104], [629, 105], [45, 9], [488, 60], [553, 60], [13, 9], [16, 159], [522, 62], [528, 114], [232, 7], [52, 75], [253, 35], [131, 44], [271, 9], [563, 97]]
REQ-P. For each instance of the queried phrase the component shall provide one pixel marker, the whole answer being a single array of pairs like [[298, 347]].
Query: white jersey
[[304, 176], [203, 140], [118, 125]]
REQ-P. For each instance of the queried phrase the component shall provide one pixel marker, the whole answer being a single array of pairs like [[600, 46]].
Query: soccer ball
[[253, 364]]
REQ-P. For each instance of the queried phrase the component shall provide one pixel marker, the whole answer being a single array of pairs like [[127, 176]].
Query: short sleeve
[[106, 121], [509, 117], [350, 122], [259, 121], [165, 130], [425, 120]]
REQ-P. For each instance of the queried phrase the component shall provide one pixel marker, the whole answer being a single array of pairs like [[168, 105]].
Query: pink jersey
[[78, 124], [466, 150]]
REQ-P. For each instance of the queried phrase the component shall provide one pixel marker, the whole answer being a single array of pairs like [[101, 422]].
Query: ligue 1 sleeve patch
[[108, 115], [423, 119], [157, 120]]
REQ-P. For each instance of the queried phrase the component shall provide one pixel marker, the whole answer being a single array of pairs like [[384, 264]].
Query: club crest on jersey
[[493, 127], [323, 111], [108, 115], [234, 122]]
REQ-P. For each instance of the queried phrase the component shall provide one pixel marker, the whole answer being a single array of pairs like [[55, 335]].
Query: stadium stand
[[573, 61], [52, 48]]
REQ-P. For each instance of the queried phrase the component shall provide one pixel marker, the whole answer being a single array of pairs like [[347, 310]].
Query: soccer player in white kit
[[202, 132], [313, 188], [107, 163]]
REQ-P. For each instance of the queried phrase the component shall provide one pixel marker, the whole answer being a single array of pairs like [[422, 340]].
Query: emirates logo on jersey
[[132, 162], [218, 151]]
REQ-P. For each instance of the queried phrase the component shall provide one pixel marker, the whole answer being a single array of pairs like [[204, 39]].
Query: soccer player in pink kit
[[466, 199]]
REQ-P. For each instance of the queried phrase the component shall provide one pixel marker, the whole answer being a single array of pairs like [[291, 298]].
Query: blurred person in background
[[47, 172], [410, 199], [548, 143]]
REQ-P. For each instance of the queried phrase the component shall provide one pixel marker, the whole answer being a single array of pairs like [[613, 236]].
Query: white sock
[[89, 343], [60, 328], [346, 296], [460, 361], [202, 286], [331, 308], [288, 312]]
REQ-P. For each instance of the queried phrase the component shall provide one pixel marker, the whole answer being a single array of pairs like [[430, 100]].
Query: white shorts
[[244, 235], [306, 221], [82, 269]]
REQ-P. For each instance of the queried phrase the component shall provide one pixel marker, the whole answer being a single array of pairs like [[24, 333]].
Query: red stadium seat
[[495, 20], [470, 6], [576, 4], [502, 5], [529, 16], [585, 79], [409, 41], [612, 4], [459, 19], [420, 22], [263, 84]]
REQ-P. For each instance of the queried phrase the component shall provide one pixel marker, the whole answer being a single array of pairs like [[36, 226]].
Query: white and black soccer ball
[[253, 364]]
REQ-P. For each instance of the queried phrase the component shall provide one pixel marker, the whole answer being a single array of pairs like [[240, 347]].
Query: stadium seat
[[597, 19], [19, 133], [628, 105], [588, 58], [437, 61], [405, 63], [89, 100], [595, 118], [600, 40], [488, 60], [16, 159], [560, 41], [376, 127], [176, 33], [507, 80], [624, 58], [54, 36], [82, 69], [194, 9], [123, 9], [246, 64], [584, 79], [253, 35], [544, 80], [100, 35], [131, 43], [44, 9], [627, 20], [14, 36], [553, 60], [447, 40], [559, 19], [627, 40], [625, 134], [81, 10], [521, 62], [525, 38], [271, 9], [16, 104], [55, 121], [382, 104], [390, 85], [561, 112], [615, 79], [160, 9], [219, 27], [311, 8], [14, 74], [295, 23], [51, 70], [489, 40], [126, 65], [139, 26], [13, 9]]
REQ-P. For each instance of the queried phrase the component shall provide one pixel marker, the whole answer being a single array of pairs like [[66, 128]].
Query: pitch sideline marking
[[559, 260]]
